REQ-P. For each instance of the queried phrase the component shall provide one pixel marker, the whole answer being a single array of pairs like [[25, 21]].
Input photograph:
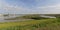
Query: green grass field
[[44, 24]]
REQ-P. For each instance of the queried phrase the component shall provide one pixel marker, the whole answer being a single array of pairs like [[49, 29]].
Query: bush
[[35, 16], [58, 19]]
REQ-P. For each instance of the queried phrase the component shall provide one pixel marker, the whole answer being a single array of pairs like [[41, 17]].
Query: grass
[[44, 24]]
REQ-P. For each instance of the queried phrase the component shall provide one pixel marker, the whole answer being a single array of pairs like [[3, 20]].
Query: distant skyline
[[30, 6]]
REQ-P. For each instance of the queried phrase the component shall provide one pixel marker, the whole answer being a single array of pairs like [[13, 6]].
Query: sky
[[30, 6]]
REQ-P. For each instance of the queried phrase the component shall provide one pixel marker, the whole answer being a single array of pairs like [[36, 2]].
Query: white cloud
[[5, 6], [53, 9]]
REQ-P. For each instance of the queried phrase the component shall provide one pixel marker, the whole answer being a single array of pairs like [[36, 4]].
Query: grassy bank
[[44, 24]]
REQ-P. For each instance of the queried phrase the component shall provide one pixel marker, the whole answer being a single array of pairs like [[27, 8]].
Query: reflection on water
[[2, 19], [11, 16]]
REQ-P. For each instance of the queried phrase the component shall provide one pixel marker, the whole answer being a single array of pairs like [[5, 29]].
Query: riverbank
[[44, 24]]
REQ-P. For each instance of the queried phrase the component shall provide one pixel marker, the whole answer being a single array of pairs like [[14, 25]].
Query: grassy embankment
[[44, 24]]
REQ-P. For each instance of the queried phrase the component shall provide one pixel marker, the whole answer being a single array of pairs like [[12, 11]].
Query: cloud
[[6, 6], [30, 6], [52, 9], [11, 8]]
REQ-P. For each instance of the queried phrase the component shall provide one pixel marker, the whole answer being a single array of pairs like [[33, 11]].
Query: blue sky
[[30, 6]]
